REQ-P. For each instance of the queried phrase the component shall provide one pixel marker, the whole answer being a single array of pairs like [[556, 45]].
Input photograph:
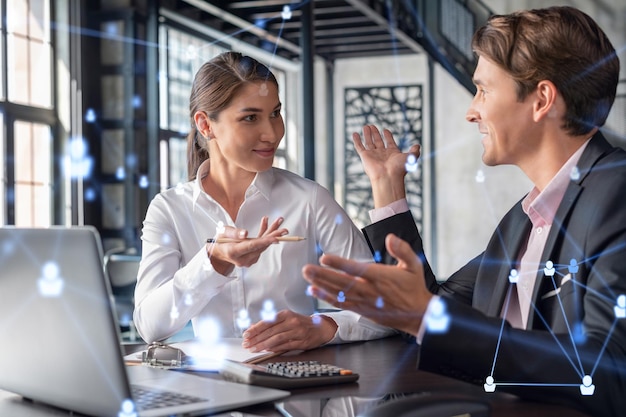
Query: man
[[537, 313]]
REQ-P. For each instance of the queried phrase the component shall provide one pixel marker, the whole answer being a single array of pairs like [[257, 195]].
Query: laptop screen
[[60, 340]]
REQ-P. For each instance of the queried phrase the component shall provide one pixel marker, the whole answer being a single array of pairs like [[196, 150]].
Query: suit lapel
[[597, 147], [513, 238]]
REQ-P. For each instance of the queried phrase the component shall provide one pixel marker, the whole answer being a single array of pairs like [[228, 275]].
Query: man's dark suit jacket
[[569, 335]]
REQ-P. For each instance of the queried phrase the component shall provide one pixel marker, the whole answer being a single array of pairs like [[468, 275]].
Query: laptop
[[61, 343]]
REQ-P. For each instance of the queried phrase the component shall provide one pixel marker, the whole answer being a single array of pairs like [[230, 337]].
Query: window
[[33, 174], [29, 52], [26, 114]]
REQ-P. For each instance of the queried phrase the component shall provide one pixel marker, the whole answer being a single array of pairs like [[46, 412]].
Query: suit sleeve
[[460, 285], [402, 225]]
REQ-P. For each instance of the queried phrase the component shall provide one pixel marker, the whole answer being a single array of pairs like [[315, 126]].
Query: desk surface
[[386, 366]]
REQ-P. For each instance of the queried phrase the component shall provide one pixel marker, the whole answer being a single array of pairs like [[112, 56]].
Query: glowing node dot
[[489, 385], [587, 387], [411, 163], [192, 52], [50, 270], [209, 332], [143, 181], [268, 313], [127, 409], [78, 149], [50, 284], [111, 28], [243, 319], [90, 194], [620, 307], [188, 300], [578, 333], [90, 116], [286, 13], [263, 91], [207, 265], [437, 321], [8, 247]]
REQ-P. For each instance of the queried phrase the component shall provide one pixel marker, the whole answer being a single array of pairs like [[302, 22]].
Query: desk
[[385, 366]]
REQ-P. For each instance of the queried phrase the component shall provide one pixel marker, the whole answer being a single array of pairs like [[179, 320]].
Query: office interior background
[[94, 104]]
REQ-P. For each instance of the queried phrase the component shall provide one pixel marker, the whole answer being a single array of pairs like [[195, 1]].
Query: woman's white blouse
[[176, 282]]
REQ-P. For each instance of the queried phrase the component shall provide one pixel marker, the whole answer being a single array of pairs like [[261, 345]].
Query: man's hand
[[384, 164], [225, 256], [289, 331], [392, 295]]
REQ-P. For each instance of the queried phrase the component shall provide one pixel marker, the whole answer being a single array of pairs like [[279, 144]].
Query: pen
[[262, 358], [234, 240]]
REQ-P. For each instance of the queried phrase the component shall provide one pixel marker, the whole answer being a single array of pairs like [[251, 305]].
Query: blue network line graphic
[[586, 386], [81, 164]]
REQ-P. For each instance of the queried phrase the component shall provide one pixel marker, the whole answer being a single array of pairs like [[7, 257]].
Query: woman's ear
[[203, 124], [545, 101]]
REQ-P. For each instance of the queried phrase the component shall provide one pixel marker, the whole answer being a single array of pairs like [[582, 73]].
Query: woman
[[233, 189]]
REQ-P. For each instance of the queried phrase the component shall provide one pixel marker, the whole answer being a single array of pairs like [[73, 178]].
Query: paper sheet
[[208, 356]]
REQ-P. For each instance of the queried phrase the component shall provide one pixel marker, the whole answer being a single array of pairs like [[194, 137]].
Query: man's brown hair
[[559, 44]]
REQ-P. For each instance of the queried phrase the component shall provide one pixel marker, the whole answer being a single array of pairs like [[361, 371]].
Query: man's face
[[505, 122]]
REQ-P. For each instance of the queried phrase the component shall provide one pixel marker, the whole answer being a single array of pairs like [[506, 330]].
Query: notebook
[[60, 340]]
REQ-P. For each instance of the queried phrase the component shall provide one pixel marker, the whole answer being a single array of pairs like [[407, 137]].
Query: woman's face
[[248, 131]]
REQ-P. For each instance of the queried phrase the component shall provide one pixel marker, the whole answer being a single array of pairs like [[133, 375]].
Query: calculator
[[287, 375]]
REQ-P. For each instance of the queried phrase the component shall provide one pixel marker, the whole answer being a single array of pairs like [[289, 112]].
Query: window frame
[[14, 112]]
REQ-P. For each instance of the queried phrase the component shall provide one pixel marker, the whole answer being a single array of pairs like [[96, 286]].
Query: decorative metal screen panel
[[397, 108]]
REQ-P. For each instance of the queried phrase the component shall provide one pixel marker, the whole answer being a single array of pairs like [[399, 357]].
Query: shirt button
[[539, 230]]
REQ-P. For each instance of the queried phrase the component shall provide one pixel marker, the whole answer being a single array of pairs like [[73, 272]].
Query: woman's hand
[[289, 331], [225, 256]]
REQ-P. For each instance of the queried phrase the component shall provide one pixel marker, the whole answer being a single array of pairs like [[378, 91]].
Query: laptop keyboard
[[151, 398]]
